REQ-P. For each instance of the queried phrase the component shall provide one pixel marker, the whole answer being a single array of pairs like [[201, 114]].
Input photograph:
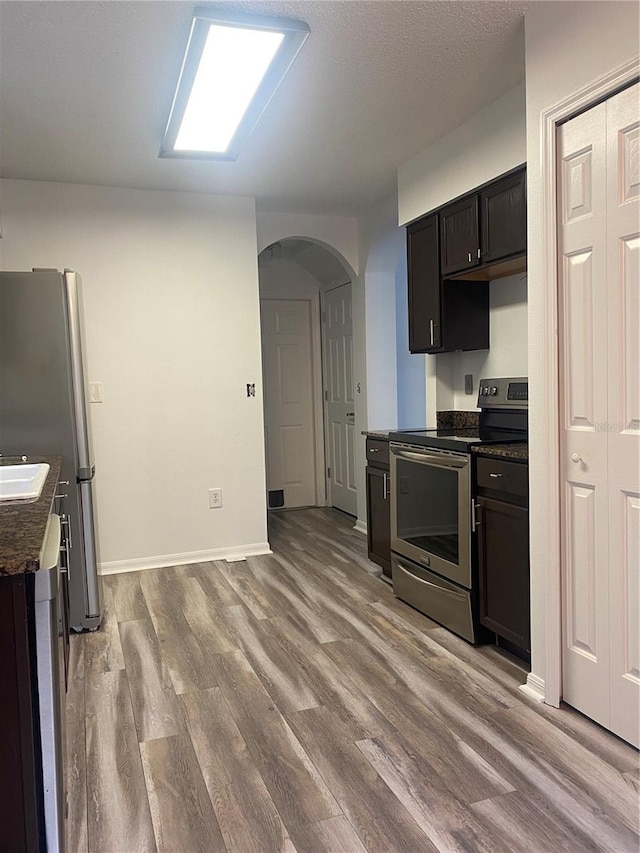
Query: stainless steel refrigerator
[[44, 410]]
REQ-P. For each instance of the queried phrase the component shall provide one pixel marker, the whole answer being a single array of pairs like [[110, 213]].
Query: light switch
[[95, 392]]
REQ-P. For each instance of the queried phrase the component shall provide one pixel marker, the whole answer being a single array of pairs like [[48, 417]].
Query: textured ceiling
[[86, 89]]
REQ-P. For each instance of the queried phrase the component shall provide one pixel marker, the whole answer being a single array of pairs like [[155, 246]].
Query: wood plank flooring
[[291, 704]]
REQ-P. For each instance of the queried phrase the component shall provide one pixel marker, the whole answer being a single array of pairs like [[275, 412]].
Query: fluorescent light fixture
[[232, 67]]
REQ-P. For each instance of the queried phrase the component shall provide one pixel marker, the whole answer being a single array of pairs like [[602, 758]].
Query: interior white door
[[339, 397], [623, 435], [583, 458], [598, 242], [287, 368]]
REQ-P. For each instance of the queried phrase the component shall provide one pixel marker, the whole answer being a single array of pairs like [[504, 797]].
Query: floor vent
[[276, 499]]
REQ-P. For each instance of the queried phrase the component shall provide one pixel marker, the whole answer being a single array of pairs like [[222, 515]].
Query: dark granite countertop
[[514, 452], [457, 419], [23, 523], [452, 419]]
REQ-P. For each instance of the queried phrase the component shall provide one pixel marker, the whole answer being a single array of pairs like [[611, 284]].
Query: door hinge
[[326, 394], [328, 472]]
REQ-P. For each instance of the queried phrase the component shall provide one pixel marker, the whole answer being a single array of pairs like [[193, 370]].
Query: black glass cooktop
[[456, 439]]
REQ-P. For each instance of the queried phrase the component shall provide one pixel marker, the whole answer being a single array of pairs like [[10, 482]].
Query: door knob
[[576, 457], [351, 414]]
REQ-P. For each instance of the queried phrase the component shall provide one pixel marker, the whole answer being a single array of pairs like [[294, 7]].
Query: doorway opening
[[307, 364]]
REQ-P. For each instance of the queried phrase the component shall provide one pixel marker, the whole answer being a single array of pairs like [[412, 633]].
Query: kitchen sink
[[22, 482]]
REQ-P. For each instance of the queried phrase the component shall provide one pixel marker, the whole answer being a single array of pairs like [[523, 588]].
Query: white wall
[[568, 46], [373, 229], [411, 377], [172, 325], [489, 143], [284, 276], [507, 354], [338, 233]]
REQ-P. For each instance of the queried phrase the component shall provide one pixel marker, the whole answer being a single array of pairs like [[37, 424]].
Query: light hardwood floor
[[291, 703]]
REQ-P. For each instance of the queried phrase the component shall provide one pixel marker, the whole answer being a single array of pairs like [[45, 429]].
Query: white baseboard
[[361, 527], [534, 688], [232, 554]]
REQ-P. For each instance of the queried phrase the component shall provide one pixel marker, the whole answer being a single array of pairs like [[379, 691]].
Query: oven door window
[[427, 508]]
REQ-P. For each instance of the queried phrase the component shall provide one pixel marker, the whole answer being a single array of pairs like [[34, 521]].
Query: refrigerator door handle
[[66, 526], [92, 589], [81, 415]]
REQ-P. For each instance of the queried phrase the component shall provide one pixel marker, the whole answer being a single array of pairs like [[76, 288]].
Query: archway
[[307, 377]]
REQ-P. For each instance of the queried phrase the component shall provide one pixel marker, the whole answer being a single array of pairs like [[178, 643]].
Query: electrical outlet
[[251, 389], [468, 383], [95, 392], [215, 498]]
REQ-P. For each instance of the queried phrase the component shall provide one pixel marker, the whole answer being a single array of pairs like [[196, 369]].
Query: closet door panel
[[623, 422]]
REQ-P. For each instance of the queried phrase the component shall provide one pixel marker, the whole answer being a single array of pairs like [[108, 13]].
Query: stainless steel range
[[433, 545]]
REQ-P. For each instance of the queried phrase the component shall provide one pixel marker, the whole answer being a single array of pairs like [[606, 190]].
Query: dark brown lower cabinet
[[503, 557], [379, 518], [21, 823]]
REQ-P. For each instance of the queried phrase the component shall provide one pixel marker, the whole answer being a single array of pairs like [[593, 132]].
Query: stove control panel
[[509, 393]]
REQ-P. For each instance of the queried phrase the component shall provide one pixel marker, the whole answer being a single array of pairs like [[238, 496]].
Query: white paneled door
[[288, 400], [599, 296], [339, 396]]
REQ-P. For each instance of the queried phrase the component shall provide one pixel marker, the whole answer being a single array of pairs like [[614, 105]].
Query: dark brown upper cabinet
[[501, 240], [453, 253], [503, 213], [423, 269], [443, 315], [460, 235]]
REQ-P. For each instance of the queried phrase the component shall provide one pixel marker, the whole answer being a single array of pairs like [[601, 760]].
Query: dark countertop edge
[[513, 452], [24, 524], [383, 434], [447, 419]]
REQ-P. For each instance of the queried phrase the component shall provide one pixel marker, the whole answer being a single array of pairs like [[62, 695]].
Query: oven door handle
[[442, 589], [442, 461]]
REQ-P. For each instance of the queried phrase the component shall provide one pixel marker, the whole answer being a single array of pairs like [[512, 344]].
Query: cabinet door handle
[[431, 331], [475, 522], [495, 475], [469, 257], [479, 254], [384, 486]]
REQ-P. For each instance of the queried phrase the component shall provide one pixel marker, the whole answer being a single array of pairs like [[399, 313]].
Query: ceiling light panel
[[231, 69]]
